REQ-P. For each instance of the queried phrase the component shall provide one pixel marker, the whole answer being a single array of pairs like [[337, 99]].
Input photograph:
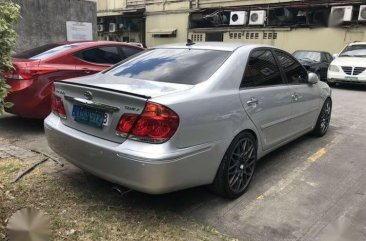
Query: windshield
[[354, 51], [43, 52], [307, 56], [180, 66]]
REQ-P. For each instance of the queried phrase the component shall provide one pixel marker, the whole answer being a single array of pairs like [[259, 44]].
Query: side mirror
[[313, 78], [335, 56]]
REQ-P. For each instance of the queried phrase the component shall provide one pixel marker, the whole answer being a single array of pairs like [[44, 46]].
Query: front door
[[305, 97], [266, 98]]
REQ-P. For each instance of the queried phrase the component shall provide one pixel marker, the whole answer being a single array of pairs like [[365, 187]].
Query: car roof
[[317, 51], [212, 46], [357, 43], [95, 43]]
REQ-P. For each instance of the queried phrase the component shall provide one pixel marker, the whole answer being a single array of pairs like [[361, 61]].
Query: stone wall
[[44, 21]]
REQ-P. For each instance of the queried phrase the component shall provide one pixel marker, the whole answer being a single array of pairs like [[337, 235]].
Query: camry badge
[[88, 95]]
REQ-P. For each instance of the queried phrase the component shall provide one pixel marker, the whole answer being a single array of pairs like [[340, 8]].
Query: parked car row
[[347, 67]]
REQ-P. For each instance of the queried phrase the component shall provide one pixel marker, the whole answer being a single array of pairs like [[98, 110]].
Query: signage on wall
[[79, 31]]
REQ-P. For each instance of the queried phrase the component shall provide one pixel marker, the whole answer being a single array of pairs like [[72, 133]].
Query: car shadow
[[12, 125], [356, 87], [199, 202]]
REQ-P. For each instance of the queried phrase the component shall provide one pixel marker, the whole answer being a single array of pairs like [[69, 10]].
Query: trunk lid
[[109, 95], [24, 63], [145, 88]]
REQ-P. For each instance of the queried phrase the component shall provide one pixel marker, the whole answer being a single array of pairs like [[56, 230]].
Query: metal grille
[[358, 70], [353, 71], [347, 70]]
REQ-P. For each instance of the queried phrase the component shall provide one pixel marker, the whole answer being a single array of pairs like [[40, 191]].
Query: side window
[[101, 55], [294, 71], [130, 51], [261, 70]]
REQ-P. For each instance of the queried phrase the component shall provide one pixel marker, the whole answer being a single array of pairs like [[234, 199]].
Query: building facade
[[326, 25]]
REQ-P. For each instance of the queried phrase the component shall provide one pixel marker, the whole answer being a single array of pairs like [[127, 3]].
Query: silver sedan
[[185, 115]]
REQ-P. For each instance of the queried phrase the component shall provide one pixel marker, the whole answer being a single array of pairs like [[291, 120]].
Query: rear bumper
[[162, 171], [30, 102]]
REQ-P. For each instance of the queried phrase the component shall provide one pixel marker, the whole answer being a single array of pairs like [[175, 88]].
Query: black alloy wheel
[[237, 168], [322, 124]]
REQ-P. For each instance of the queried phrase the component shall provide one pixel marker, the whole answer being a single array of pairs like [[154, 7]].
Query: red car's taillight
[[28, 73], [156, 124], [57, 105]]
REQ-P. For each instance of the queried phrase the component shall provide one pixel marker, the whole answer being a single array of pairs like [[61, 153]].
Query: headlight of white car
[[333, 68]]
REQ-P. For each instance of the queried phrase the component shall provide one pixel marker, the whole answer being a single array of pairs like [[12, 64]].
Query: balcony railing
[[135, 3]]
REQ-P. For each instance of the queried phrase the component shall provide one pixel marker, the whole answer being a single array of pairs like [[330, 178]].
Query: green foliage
[[9, 14]]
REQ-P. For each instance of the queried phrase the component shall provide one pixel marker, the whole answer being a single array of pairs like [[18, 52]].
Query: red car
[[36, 70]]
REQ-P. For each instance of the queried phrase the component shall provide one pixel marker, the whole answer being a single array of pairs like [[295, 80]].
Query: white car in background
[[349, 66]]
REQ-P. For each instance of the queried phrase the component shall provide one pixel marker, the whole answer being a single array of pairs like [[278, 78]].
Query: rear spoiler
[[102, 88]]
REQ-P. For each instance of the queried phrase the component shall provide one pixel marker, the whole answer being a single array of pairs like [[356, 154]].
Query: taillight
[[28, 73], [156, 124], [57, 106]]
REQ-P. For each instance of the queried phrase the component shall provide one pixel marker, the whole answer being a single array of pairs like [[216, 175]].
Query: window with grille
[[235, 35], [197, 37]]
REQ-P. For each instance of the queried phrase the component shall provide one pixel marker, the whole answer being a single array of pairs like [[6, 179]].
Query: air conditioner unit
[[100, 28], [362, 16], [112, 27], [341, 14], [100, 20], [238, 17], [257, 17]]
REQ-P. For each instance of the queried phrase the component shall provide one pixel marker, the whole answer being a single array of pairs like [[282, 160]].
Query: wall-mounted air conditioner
[[257, 17], [341, 14], [100, 28], [112, 27], [100, 20], [238, 17], [362, 16]]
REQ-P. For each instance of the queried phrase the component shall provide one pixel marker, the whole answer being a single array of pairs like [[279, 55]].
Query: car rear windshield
[[358, 50], [307, 56], [43, 52], [180, 66]]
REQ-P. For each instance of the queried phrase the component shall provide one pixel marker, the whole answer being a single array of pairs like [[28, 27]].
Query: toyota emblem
[[88, 95]]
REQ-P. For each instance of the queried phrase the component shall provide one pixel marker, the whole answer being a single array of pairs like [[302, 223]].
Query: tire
[[237, 167], [331, 84], [322, 124]]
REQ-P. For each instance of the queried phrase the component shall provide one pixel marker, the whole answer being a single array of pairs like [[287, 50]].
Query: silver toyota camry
[[185, 115]]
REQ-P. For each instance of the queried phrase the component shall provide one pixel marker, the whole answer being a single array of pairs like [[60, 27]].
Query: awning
[[163, 31]]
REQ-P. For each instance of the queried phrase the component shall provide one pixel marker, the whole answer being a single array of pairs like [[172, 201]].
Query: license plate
[[90, 116], [351, 78]]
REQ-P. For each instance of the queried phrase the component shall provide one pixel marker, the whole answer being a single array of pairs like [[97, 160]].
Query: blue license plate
[[88, 116]]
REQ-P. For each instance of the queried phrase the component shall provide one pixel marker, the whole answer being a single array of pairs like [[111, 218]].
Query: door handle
[[252, 101]]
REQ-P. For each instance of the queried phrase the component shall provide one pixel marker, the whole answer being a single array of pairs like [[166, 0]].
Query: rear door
[[266, 98], [305, 97], [96, 59]]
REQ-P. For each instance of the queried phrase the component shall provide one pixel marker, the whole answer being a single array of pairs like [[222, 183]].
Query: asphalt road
[[311, 189]]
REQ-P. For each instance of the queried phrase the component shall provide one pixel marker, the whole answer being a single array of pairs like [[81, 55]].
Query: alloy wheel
[[241, 165], [325, 117]]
